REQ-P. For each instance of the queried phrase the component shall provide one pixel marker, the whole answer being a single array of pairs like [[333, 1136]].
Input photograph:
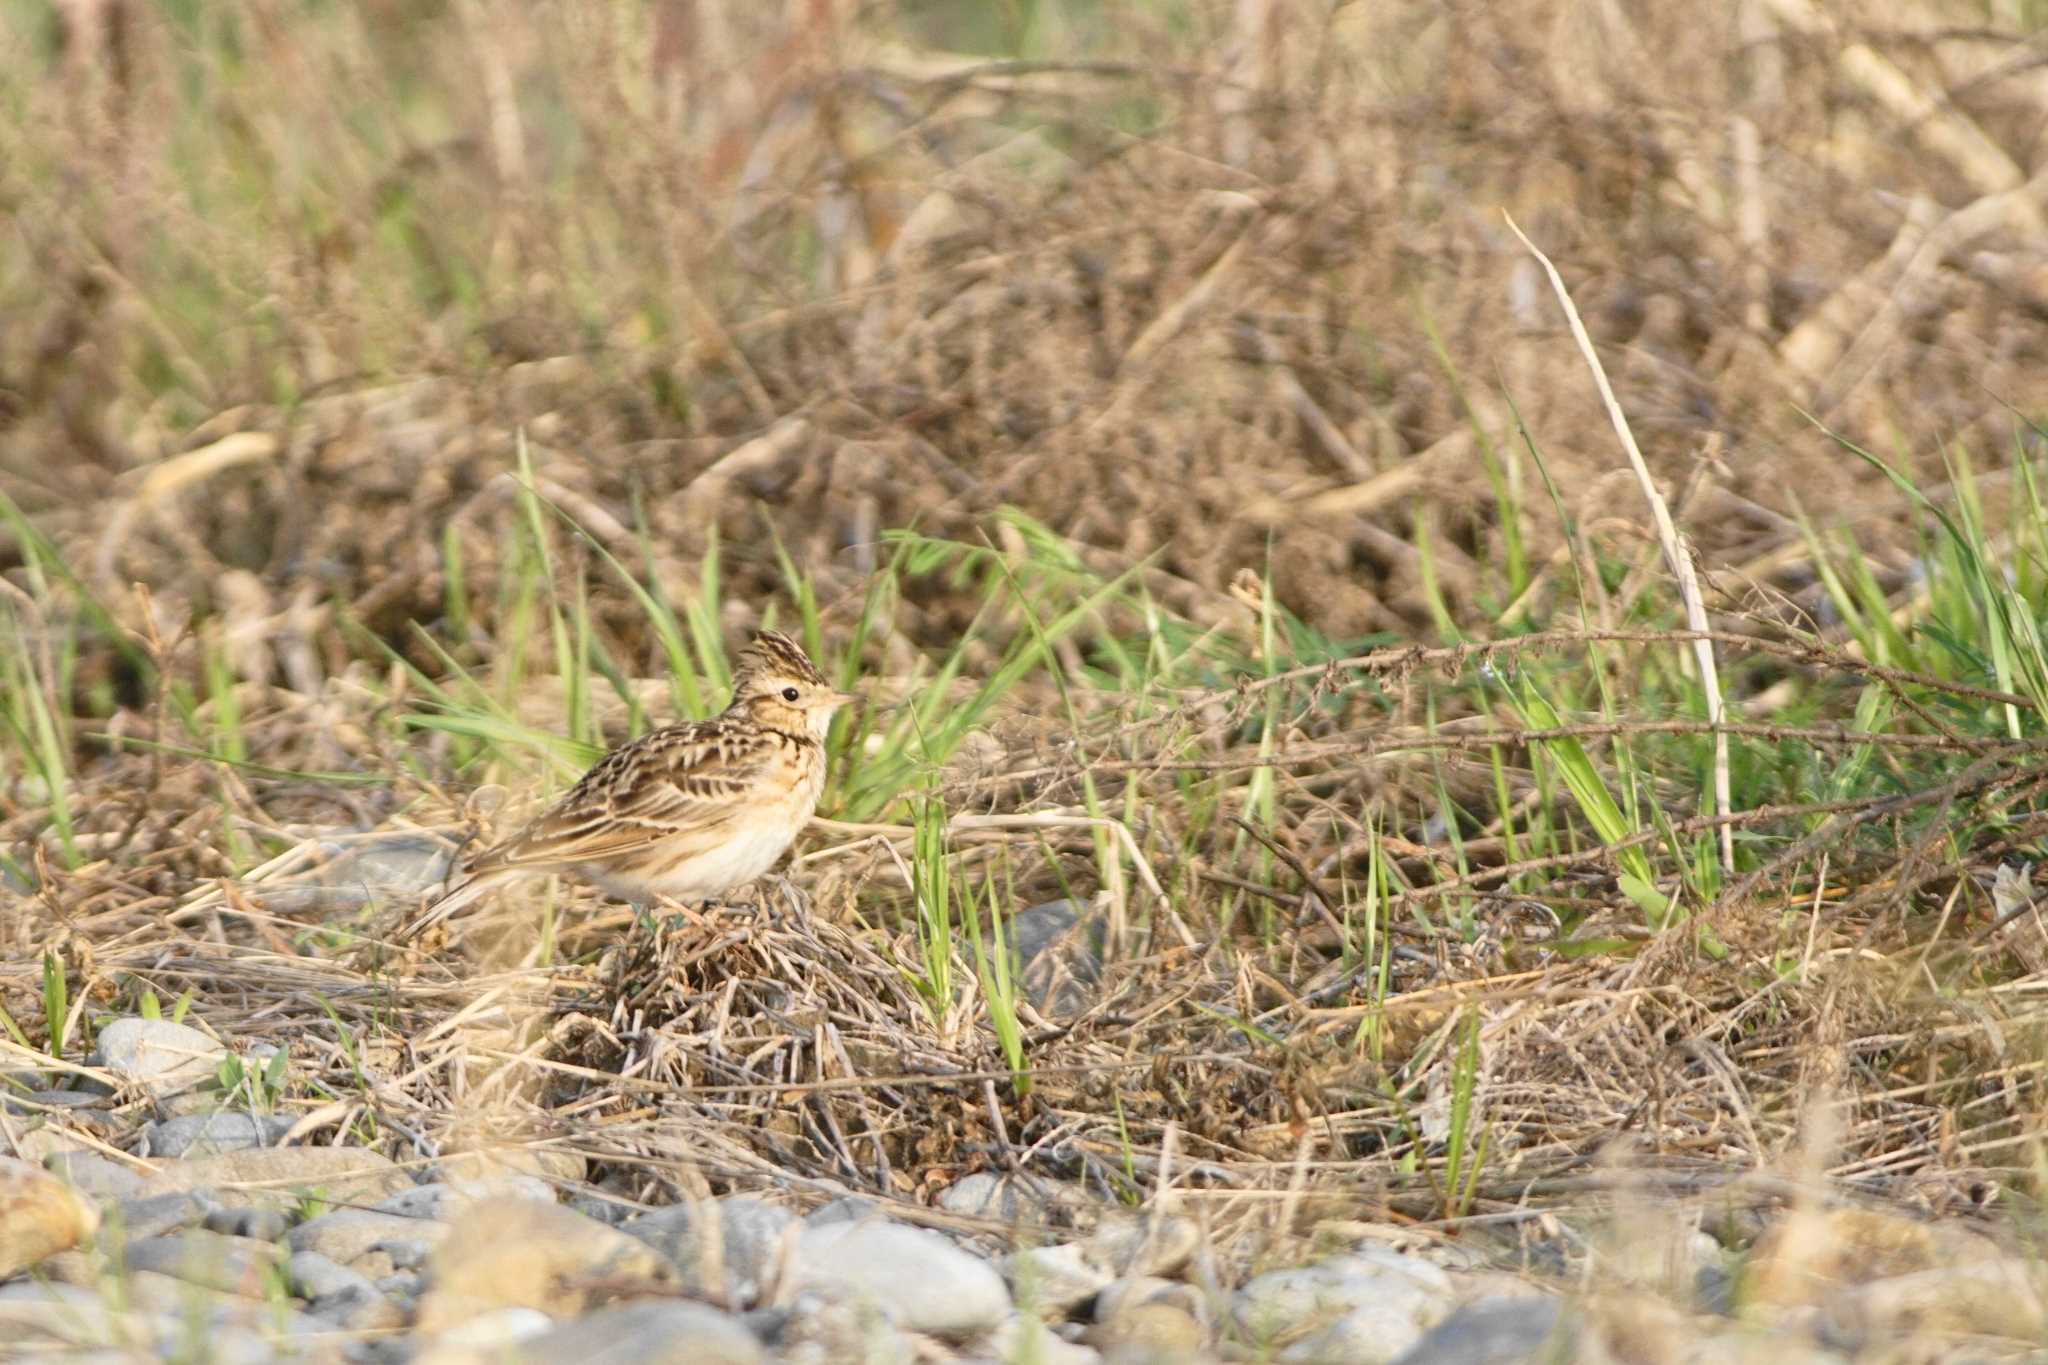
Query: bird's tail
[[449, 901]]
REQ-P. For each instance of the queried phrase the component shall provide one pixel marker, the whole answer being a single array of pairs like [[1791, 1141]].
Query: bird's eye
[[789, 694]]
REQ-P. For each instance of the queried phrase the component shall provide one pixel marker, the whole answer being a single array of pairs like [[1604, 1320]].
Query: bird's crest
[[772, 652]]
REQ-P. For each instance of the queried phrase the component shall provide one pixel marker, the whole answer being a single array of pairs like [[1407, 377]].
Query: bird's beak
[[845, 698]]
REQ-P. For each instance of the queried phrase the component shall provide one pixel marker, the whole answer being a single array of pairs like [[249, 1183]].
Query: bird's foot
[[658, 924], [631, 955], [793, 898]]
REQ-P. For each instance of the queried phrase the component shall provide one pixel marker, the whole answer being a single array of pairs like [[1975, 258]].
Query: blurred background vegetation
[[1224, 285]]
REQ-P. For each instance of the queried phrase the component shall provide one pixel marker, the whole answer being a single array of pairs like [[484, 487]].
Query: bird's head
[[776, 684]]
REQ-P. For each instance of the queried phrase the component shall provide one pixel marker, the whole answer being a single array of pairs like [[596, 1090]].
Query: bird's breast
[[740, 854]]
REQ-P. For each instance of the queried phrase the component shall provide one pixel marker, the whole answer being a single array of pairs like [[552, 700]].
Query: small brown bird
[[690, 811]]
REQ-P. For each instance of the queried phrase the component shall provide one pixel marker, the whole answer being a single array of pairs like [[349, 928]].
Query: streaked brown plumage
[[689, 811]]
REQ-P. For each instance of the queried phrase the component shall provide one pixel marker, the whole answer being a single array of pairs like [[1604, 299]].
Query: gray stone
[[1124, 1295], [195, 1318], [646, 1334], [375, 1265], [749, 1233], [206, 1134], [1713, 1290], [400, 863], [1507, 1331], [197, 1102], [57, 1099], [285, 1177], [516, 1253], [610, 1212], [71, 1297], [232, 1265], [1146, 1244], [76, 1326], [234, 1346], [1054, 1280], [265, 1225], [401, 1287], [160, 1293], [847, 1208], [1025, 1336], [77, 1332], [1150, 1330], [1363, 1336], [923, 1281], [1037, 929], [162, 1057], [363, 1310], [162, 1213], [406, 1253], [982, 1194], [1015, 1200], [388, 870], [191, 1301], [16, 1081], [73, 1323], [37, 1140], [832, 1328], [443, 1199], [348, 1234], [339, 1295], [310, 1275], [1010, 1200], [96, 1175], [93, 1335], [1374, 1301], [1060, 953]]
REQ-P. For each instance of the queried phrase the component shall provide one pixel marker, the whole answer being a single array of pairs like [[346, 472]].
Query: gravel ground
[[205, 1234]]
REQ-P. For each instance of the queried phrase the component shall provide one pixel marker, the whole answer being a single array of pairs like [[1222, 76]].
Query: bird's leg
[[665, 923], [625, 956], [799, 903], [652, 929]]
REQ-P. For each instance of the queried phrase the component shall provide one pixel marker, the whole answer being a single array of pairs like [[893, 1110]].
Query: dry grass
[[1207, 290], [1225, 1069], [1211, 290]]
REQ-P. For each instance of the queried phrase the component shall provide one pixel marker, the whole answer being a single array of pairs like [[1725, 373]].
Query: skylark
[[690, 811]]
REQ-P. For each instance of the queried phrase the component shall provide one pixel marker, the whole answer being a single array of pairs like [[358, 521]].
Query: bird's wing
[[685, 780]]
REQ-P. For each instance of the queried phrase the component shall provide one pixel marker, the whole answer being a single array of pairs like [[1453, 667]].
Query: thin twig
[[1677, 554]]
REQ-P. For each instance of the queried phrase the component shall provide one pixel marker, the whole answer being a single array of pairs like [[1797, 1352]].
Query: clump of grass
[[56, 1004], [262, 1087], [933, 877], [997, 971], [1464, 1159], [41, 742], [1595, 802]]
